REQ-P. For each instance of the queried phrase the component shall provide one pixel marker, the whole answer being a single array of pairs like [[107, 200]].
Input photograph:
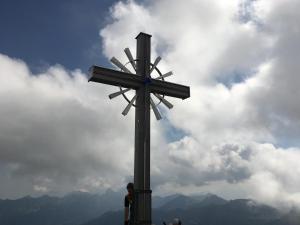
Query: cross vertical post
[[144, 86], [142, 202]]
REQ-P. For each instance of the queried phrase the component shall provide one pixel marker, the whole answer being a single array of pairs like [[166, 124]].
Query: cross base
[[143, 209]]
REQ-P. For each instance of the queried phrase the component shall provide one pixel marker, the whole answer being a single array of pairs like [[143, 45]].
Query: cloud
[[259, 171], [56, 133], [238, 131], [241, 60]]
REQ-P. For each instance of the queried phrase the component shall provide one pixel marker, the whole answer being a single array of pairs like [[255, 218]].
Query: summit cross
[[143, 85]]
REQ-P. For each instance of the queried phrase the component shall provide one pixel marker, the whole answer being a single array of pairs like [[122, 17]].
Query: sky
[[236, 136]]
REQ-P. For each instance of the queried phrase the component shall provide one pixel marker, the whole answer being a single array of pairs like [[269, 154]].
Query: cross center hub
[[147, 80]]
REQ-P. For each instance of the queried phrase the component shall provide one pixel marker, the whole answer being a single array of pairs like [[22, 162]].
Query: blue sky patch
[[44, 33]]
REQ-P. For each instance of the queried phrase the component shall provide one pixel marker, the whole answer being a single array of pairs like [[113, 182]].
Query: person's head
[[130, 188]]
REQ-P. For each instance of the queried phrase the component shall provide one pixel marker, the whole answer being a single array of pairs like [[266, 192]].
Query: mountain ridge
[[83, 208]]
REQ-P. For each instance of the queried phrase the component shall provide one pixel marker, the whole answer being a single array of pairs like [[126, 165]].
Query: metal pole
[[142, 202]]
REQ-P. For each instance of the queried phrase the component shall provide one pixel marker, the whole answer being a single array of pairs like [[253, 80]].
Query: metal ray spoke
[[155, 63], [164, 101], [129, 56], [113, 95], [165, 75], [155, 110], [120, 65], [126, 110]]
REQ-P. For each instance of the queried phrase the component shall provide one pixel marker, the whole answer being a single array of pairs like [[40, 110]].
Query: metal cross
[[144, 85]]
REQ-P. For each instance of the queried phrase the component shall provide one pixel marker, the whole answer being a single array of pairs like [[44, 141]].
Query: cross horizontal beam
[[113, 77], [169, 89], [118, 78]]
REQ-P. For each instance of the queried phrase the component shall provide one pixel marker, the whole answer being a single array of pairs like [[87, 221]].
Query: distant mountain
[[179, 202], [158, 201], [209, 210], [80, 208], [108, 218], [292, 218], [185, 202], [73, 209]]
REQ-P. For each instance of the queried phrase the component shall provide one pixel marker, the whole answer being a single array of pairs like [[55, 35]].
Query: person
[[128, 204]]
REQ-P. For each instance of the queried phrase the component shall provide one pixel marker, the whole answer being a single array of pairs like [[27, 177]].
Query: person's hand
[[126, 222]]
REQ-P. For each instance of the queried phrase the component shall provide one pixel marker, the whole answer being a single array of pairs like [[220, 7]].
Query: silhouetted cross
[[144, 86]]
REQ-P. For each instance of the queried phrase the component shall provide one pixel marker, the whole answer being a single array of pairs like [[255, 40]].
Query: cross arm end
[[170, 89], [113, 77]]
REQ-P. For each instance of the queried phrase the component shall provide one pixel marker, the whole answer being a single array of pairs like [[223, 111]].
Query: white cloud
[[241, 60], [60, 133], [40, 188]]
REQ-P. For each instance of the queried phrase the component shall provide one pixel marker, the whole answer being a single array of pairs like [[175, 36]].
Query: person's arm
[[126, 214], [126, 211]]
